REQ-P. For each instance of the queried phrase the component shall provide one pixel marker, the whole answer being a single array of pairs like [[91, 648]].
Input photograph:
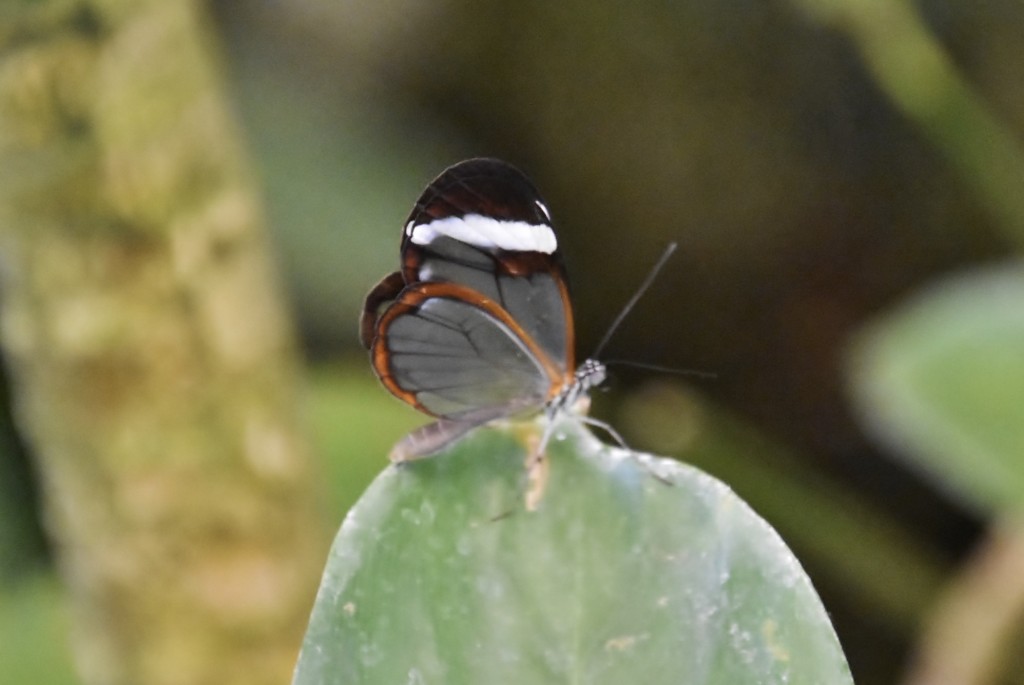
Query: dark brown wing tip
[[482, 185]]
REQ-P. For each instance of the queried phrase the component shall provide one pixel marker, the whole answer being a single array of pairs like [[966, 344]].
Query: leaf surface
[[631, 569]]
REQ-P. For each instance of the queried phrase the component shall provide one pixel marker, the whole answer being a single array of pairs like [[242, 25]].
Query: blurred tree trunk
[[154, 368]]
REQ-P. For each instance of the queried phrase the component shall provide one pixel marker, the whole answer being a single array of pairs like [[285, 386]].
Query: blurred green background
[[821, 165]]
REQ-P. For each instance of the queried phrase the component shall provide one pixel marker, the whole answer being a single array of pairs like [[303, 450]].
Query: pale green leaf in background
[[941, 380]]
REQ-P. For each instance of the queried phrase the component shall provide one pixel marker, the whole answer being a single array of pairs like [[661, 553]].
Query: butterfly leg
[[538, 467], [607, 428]]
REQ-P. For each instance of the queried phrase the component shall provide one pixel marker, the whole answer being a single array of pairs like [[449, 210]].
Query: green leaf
[[941, 380], [630, 569]]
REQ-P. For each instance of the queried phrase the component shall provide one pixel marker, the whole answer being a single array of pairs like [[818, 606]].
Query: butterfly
[[478, 323]]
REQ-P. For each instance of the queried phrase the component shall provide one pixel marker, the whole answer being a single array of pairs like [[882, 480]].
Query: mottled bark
[[155, 371]]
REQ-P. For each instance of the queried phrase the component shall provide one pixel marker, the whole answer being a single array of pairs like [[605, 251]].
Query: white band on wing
[[482, 231]]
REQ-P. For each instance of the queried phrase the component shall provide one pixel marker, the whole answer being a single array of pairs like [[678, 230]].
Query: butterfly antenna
[[661, 369], [636, 297]]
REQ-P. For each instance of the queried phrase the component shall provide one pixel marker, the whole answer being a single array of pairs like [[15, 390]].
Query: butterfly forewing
[[482, 224]]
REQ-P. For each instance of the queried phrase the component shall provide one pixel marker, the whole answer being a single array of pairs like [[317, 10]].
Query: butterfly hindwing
[[450, 352]]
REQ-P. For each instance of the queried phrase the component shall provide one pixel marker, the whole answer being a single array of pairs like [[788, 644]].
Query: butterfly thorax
[[575, 396]]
